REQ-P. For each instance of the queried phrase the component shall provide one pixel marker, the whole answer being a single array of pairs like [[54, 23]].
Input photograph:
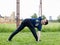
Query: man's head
[[44, 22]]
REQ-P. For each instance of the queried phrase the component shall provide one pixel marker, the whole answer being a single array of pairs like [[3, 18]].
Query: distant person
[[31, 24]]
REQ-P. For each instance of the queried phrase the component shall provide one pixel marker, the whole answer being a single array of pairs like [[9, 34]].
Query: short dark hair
[[46, 22]]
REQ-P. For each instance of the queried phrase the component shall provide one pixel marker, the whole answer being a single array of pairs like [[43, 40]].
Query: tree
[[58, 18], [43, 17], [34, 15]]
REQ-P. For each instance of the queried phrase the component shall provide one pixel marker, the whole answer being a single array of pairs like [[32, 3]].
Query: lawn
[[51, 27], [50, 35], [26, 38]]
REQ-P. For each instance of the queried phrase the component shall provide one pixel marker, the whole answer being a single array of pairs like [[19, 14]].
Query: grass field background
[[26, 38], [51, 27], [50, 35]]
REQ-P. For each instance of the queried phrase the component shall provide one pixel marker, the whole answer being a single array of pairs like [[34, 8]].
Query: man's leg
[[32, 29], [17, 30]]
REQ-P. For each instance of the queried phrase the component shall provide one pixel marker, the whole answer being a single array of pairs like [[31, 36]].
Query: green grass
[[50, 35], [7, 27], [51, 27], [26, 38]]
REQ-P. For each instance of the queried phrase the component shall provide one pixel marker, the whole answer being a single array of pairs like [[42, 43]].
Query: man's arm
[[39, 32], [39, 35]]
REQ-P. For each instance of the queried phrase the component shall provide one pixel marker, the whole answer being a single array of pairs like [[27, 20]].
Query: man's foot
[[37, 40], [9, 39]]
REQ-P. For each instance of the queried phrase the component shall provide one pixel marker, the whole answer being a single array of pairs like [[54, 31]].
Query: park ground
[[50, 35], [26, 38]]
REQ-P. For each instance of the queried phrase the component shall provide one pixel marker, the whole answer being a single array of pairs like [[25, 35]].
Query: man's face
[[43, 21]]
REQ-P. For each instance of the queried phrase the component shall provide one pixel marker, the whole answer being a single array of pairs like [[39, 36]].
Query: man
[[31, 24]]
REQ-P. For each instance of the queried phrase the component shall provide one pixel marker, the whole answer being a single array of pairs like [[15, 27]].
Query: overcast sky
[[29, 7]]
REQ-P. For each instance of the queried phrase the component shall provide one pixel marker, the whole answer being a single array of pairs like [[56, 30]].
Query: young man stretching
[[31, 24]]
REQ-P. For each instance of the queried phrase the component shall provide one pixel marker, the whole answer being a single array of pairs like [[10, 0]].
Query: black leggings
[[27, 23]]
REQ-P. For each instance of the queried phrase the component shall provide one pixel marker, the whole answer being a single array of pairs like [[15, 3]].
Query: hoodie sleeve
[[39, 27]]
